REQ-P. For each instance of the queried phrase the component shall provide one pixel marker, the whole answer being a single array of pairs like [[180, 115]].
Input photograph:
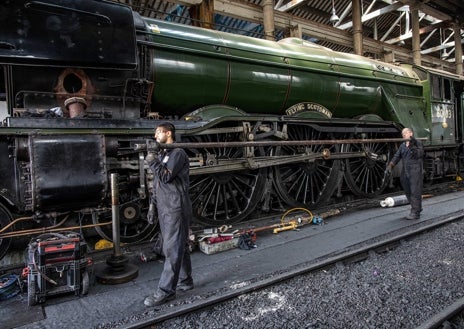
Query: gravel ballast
[[400, 288]]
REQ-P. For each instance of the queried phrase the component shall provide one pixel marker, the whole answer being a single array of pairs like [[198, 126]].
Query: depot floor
[[106, 304]]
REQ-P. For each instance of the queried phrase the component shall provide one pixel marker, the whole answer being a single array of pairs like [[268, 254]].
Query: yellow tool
[[286, 227], [293, 224]]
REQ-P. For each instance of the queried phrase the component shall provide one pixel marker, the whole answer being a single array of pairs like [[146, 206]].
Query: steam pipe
[[49, 229]]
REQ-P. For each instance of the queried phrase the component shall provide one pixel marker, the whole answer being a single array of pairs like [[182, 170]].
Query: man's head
[[165, 133], [407, 133]]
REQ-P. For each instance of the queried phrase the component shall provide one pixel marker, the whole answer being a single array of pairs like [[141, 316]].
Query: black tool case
[[57, 264]]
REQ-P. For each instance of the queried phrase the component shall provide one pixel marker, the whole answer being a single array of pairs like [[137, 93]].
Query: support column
[[268, 14], [357, 28], [388, 57], [203, 14], [293, 31], [416, 55], [458, 49]]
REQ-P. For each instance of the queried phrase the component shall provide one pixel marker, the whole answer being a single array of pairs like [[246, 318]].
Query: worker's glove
[[155, 147], [150, 158], [388, 170], [412, 142], [151, 213]]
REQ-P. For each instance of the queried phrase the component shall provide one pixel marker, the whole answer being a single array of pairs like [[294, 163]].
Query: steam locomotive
[[267, 125]]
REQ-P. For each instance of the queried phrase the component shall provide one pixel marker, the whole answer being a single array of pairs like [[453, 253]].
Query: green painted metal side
[[410, 110], [441, 114], [194, 67]]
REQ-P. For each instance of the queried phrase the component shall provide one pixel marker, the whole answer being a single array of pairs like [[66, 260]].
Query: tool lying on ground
[[398, 200], [297, 222], [216, 239]]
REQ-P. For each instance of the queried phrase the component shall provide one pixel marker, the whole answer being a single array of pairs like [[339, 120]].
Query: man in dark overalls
[[411, 152], [171, 195]]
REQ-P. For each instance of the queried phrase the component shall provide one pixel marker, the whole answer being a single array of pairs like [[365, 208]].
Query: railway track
[[353, 255], [454, 313]]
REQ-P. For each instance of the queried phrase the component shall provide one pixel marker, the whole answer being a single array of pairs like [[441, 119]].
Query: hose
[[295, 209], [8, 286]]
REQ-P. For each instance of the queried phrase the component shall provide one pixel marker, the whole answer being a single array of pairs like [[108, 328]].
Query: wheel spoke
[[133, 226], [309, 183], [364, 176], [224, 198], [234, 199]]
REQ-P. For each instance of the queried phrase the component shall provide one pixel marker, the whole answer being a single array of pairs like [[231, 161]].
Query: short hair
[[169, 127], [408, 129]]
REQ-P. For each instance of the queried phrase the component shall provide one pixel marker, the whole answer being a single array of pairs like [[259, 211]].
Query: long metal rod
[[274, 143], [115, 213], [263, 162]]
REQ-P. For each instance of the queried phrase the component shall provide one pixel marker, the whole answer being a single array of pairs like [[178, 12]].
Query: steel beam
[[254, 13]]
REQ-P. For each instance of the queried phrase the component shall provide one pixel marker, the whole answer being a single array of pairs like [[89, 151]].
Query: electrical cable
[[8, 286]]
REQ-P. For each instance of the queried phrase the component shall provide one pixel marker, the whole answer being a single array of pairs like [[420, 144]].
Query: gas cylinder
[[394, 201]]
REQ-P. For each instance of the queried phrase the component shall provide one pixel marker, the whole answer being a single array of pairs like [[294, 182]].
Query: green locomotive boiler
[[267, 125]]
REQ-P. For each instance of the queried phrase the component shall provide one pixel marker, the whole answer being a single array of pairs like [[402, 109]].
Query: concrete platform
[[108, 304]]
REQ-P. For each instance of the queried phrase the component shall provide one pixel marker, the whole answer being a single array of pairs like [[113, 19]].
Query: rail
[[446, 314]]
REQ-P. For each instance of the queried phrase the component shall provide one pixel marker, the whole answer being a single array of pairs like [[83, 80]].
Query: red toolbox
[[57, 264]]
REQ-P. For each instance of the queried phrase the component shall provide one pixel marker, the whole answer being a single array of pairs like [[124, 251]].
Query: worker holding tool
[[411, 152], [171, 195]]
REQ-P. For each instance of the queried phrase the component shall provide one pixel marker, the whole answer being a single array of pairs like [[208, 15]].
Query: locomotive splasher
[[266, 124]]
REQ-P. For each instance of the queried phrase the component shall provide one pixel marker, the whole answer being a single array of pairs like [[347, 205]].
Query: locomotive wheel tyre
[[85, 283], [5, 219], [31, 293]]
